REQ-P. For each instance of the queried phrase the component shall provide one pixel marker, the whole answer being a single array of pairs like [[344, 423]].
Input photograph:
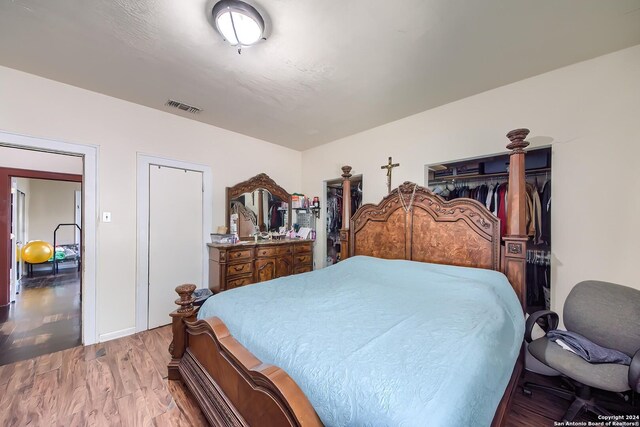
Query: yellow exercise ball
[[37, 251]]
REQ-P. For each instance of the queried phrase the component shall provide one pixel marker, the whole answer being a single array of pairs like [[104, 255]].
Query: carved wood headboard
[[462, 232]]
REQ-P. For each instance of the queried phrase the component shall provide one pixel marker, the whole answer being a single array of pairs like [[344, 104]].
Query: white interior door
[[175, 237]]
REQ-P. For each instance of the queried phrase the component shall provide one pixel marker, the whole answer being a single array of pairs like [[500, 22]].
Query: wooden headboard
[[462, 232]]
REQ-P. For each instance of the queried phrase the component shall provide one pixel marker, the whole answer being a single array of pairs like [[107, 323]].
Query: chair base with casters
[[608, 315], [583, 400]]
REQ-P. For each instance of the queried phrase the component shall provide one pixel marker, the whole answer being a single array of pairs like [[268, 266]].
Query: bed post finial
[[518, 144], [186, 298], [346, 212], [515, 240], [186, 312]]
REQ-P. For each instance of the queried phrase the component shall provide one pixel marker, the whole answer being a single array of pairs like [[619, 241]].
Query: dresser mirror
[[260, 205]]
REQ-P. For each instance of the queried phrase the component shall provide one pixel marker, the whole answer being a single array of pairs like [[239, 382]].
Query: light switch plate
[[106, 216]]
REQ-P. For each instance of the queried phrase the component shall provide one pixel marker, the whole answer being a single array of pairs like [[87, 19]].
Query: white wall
[[51, 203], [39, 107], [588, 112]]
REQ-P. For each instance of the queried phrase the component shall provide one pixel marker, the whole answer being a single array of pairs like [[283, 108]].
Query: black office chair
[[606, 314]]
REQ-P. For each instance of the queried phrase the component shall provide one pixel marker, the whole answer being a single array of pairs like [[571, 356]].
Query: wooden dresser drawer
[[235, 269], [302, 269], [236, 282], [303, 247], [273, 251], [283, 250], [302, 259], [265, 252], [239, 254]]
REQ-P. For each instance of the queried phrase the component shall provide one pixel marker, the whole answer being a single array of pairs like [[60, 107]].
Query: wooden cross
[[389, 167]]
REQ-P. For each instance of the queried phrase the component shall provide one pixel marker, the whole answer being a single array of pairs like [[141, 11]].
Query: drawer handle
[[264, 252], [237, 254], [238, 268]]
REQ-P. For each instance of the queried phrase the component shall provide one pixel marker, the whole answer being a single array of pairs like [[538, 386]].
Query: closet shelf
[[452, 178]]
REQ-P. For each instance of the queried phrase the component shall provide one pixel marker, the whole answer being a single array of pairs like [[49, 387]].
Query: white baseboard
[[117, 334]]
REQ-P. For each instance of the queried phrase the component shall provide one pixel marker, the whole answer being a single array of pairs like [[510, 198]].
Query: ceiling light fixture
[[238, 22]]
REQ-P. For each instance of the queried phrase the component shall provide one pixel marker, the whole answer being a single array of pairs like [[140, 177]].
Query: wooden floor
[[45, 317], [541, 409], [117, 383], [124, 383]]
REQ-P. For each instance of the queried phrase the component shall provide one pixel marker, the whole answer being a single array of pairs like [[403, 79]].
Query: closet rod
[[478, 177]]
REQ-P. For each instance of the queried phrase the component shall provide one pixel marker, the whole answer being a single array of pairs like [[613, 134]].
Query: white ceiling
[[329, 69]]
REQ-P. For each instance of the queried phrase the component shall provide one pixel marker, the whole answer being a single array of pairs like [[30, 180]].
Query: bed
[[425, 320]]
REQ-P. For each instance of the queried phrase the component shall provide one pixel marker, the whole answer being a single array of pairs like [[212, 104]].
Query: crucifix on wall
[[389, 167]]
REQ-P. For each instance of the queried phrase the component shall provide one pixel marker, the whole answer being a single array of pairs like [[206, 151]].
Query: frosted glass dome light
[[238, 22]]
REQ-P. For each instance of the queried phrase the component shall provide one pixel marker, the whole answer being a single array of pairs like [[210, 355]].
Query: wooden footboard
[[232, 387], [500, 418]]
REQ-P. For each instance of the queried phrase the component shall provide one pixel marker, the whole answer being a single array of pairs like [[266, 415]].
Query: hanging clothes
[[334, 210], [494, 202], [537, 214], [356, 197], [502, 208], [530, 214], [545, 201], [489, 197], [538, 277]]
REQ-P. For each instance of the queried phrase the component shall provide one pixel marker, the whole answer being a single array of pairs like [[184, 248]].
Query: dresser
[[231, 266]]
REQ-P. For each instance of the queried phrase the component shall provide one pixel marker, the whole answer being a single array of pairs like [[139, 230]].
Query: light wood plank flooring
[[118, 383], [124, 383]]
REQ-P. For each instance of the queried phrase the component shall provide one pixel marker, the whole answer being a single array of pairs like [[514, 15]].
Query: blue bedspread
[[375, 342]]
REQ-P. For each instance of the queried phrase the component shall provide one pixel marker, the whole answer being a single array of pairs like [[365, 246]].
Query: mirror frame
[[260, 181]]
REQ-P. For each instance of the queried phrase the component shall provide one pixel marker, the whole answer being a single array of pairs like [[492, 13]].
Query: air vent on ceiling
[[183, 107]]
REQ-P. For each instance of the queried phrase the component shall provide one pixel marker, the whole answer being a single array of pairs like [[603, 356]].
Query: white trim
[[142, 228], [89, 214], [13, 238], [117, 334]]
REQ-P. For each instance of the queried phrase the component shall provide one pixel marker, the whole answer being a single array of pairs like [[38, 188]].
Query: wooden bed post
[[515, 240], [346, 212], [179, 343]]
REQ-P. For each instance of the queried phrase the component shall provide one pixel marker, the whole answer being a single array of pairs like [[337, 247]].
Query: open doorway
[[334, 214], [43, 260]]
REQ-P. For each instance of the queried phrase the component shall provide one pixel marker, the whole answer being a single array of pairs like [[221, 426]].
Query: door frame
[[89, 154], [10, 174], [13, 238], [144, 161], [322, 236], [18, 217]]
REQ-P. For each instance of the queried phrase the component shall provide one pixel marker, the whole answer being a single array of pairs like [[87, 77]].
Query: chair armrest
[[549, 317], [634, 372]]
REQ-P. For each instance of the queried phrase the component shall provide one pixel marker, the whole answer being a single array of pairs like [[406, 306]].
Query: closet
[[334, 214], [485, 180]]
